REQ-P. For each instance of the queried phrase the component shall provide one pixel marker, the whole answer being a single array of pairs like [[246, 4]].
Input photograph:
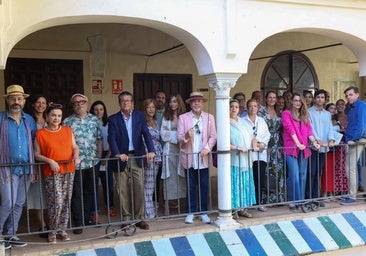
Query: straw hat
[[15, 90], [196, 96]]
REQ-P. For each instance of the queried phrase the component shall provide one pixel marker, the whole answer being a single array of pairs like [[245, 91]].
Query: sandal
[[51, 238], [63, 236], [245, 213]]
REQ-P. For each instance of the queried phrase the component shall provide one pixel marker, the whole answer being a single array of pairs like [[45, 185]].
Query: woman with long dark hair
[[172, 174], [274, 184], [296, 133], [99, 109]]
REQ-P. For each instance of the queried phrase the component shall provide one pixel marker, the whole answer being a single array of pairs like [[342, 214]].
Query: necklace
[[53, 129]]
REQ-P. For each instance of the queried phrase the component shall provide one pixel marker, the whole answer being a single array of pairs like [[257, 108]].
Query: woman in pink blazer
[[296, 133]]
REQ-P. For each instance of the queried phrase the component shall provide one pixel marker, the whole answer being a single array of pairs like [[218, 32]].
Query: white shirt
[[262, 133], [197, 142]]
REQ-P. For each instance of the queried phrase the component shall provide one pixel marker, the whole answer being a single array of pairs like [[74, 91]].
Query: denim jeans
[[197, 183], [11, 207], [296, 181]]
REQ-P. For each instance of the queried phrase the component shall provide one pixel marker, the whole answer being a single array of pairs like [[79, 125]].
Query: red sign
[[117, 86]]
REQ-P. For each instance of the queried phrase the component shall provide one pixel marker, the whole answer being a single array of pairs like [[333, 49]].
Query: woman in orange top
[[55, 145]]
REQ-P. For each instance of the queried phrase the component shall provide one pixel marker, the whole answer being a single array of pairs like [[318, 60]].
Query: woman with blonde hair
[[259, 129], [151, 169]]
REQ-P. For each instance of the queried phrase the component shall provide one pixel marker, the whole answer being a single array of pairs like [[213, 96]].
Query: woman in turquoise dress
[[152, 168], [242, 182], [275, 192]]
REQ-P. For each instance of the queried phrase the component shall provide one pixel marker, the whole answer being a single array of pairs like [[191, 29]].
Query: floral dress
[[151, 172], [275, 191]]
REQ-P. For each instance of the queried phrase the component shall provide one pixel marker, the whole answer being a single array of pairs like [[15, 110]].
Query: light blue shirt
[[18, 142], [321, 124], [128, 122]]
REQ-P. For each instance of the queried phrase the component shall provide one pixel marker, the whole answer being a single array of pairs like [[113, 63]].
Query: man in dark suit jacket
[[128, 136]]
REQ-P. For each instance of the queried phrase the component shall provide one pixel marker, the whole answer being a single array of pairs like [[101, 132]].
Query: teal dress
[[242, 182]]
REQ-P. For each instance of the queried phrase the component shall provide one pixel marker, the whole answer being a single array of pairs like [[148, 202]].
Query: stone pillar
[[222, 84]]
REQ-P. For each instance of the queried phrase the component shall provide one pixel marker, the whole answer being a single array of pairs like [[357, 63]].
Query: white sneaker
[[205, 219], [189, 219]]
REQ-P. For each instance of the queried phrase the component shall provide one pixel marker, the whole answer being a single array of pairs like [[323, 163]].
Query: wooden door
[[145, 86], [55, 79]]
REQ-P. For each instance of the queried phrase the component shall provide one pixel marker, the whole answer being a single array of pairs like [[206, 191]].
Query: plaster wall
[[331, 64], [214, 31], [219, 36]]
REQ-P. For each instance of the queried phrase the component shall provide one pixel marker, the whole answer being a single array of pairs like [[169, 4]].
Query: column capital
[[222, 83]]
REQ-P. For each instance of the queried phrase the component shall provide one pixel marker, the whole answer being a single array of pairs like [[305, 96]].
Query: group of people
[[62, 159], [278, 151]]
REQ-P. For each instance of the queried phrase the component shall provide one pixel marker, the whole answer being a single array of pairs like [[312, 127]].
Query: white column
[[222, 84]]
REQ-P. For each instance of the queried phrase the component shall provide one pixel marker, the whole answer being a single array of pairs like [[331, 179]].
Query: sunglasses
[[197, 129], [255, 132]]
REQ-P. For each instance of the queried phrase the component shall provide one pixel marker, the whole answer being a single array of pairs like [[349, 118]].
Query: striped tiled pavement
[[297, 237]]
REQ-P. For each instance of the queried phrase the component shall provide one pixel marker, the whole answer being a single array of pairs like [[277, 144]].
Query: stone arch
[[194, 45], [354, 42]]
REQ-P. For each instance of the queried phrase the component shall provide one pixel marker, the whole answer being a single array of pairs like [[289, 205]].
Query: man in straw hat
[[17, 131], [197, 136]]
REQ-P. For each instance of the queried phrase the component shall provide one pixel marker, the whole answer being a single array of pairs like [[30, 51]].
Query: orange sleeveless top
[[56, 145]]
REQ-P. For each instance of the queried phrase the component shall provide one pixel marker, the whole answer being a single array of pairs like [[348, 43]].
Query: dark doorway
[[55, 79], [145, 86]]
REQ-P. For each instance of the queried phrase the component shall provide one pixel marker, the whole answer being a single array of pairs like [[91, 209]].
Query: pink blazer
[[302, 131], [209, 137]]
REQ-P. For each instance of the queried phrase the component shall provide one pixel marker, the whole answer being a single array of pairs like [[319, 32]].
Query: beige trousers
[[131, 191], [355, 152]]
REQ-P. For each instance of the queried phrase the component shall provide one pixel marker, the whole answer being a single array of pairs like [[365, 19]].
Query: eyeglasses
[[197, 129], [78, 103]]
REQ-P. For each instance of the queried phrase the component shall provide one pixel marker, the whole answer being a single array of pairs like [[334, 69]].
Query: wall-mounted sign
[[97, 86], [117, 86]]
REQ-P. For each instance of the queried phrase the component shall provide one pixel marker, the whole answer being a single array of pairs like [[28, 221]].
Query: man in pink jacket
[[197, 135]]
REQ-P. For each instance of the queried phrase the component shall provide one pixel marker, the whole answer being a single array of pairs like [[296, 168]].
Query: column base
[[226, 223]]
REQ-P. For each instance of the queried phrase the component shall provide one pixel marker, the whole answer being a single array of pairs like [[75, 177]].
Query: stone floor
[[168, 228]]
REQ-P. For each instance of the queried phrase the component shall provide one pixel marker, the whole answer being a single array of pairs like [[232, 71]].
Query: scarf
[[5, 168], [240, 137]]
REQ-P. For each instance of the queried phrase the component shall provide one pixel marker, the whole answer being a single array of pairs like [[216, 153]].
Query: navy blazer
[[118, 138]]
